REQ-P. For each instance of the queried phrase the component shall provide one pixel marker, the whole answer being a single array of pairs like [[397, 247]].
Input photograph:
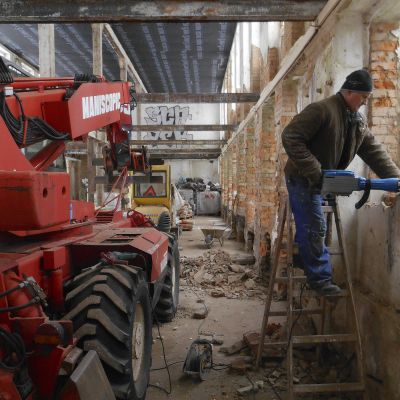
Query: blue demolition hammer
[[343, 183]]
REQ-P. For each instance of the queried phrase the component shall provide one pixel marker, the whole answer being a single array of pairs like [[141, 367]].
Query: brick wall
[[271, 66], [291, 32], [285, 110], [384, 103], [250, 178], [256, 65], [265, 194]]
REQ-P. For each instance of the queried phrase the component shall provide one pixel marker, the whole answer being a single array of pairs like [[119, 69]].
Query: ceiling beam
[[197, 142], [146, 98], [186, 128], [184, 156], [45, 11], [185, 151]]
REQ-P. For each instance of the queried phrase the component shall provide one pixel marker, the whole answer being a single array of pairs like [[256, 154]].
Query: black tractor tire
[[164, 222], [167, 304], [111, 314]]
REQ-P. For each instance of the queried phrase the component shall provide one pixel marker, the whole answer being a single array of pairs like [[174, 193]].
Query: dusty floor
[[229, 318], [217, 281]]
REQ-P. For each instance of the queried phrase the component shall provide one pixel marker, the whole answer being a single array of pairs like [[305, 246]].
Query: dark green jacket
[[316, 139]]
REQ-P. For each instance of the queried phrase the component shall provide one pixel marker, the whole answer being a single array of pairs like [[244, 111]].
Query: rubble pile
[[185, 214], [215, 272], [334, 366], [197, 184]]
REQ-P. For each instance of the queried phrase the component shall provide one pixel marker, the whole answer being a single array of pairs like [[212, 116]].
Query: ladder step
[[274, 344], [334, 251], [329, 387], [327, 209], [339, 338], [296, 279], [310, 292], [306, 311]]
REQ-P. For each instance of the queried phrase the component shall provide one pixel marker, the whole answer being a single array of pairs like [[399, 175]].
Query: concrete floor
[[228, 317]]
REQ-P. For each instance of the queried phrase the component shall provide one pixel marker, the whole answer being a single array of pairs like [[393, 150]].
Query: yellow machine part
[[152, 212]]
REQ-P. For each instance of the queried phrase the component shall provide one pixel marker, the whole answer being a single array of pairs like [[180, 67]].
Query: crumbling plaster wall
[[378, 250], [372, 235], [361, 35]]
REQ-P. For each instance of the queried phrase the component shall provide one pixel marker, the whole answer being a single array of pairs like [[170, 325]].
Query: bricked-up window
[[384, 103]]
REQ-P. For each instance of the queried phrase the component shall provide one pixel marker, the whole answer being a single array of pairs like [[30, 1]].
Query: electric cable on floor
[[168, 392], [213, 365], [169, 365]]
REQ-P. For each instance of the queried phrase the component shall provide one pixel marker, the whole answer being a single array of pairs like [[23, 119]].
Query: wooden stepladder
[[351, 338]]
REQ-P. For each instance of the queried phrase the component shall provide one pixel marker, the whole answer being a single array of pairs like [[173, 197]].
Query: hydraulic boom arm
[[56, 110]]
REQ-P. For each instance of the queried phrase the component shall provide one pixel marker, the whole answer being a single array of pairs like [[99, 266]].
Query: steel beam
[[45, 11], [185, 151], [184, 156], [195, 142], [156, 128], [145, 98]]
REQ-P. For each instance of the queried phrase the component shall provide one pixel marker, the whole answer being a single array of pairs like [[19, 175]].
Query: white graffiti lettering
[[162, 115]]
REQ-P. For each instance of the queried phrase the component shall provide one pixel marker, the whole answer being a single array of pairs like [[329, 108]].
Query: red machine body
[[45, 237]]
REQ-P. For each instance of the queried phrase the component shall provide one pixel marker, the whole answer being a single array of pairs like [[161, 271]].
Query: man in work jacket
[[327, 135]]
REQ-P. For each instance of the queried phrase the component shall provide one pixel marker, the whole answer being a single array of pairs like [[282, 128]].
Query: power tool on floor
[[343, 183], [199, 359]]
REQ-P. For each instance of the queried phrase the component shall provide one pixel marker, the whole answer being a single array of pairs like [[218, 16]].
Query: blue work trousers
[[310, 230]]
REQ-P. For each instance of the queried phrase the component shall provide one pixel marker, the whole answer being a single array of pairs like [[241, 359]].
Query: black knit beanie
[[358, 81]]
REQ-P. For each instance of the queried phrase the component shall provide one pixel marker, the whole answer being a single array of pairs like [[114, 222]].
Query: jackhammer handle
[[363, 199], [389, 184]]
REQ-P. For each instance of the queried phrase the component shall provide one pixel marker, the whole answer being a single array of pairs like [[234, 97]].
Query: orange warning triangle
[[150, 191]]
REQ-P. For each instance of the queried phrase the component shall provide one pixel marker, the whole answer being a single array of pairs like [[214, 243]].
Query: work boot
[[326, 288]]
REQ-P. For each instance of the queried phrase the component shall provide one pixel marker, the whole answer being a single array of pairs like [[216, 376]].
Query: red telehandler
[[78, 292]]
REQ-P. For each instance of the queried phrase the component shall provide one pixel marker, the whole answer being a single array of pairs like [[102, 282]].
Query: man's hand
[[389, 199]]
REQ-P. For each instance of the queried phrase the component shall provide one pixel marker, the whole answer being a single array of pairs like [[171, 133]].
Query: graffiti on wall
[[163, 115]]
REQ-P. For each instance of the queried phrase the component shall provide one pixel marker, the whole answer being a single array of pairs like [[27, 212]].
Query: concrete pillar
[[97, 44], [47, 62], [91, 170], [123, 68]]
